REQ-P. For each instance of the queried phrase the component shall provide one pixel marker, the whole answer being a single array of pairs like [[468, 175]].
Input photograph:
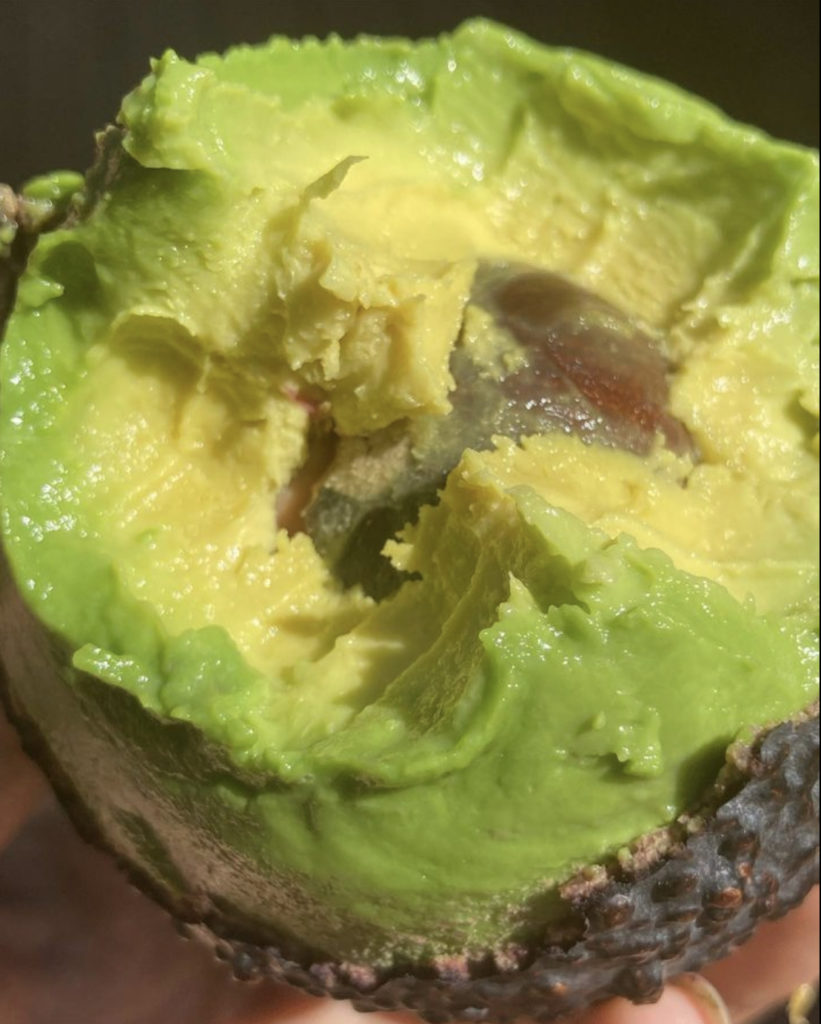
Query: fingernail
[[710, 1004]]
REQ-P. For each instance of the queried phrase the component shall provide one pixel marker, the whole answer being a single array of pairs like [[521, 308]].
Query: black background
[[64, 64]]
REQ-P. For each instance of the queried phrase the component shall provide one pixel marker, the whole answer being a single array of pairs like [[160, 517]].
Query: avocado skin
[[16, 240], [686, 896], [22, 221], [754, 857]]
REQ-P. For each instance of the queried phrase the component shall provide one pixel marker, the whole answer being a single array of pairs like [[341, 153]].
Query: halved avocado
[[409, 496]]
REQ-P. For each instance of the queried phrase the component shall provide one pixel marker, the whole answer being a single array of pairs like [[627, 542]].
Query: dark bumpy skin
[[684, 896], [637, 924]]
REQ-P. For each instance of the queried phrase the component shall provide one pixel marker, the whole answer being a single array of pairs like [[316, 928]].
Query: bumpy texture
[[756, 856]]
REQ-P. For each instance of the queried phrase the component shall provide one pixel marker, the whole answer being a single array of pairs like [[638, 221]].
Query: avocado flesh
[[175, 411]]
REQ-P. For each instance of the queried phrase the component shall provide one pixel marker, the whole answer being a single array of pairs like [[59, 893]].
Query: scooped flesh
[[573, 621]]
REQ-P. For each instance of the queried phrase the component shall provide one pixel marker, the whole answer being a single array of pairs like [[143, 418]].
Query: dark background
[[64, 64]]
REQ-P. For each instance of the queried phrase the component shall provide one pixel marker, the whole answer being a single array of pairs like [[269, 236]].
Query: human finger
[[692, 1000], [781, 956], [689, 1000]]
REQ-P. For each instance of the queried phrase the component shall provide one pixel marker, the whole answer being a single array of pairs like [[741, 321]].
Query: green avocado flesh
[[288, 235]]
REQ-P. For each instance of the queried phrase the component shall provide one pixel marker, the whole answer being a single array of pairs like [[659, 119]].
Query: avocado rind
[[681, 897], [636, 926]]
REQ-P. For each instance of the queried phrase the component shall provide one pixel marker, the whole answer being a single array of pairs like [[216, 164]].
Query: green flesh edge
[[543, 691]]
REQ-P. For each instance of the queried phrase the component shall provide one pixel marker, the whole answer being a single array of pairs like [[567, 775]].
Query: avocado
[[409, 495]]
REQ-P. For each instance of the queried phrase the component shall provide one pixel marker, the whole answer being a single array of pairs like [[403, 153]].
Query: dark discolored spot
[[581, 367], [589, 369]]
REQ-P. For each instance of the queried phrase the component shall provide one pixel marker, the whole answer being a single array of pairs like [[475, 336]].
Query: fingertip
[[689, 1000], [781, 956], [705, 998], [280, 1003]]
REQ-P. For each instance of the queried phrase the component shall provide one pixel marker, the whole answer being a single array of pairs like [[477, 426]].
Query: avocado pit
[[580, 367], [589, 369]]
